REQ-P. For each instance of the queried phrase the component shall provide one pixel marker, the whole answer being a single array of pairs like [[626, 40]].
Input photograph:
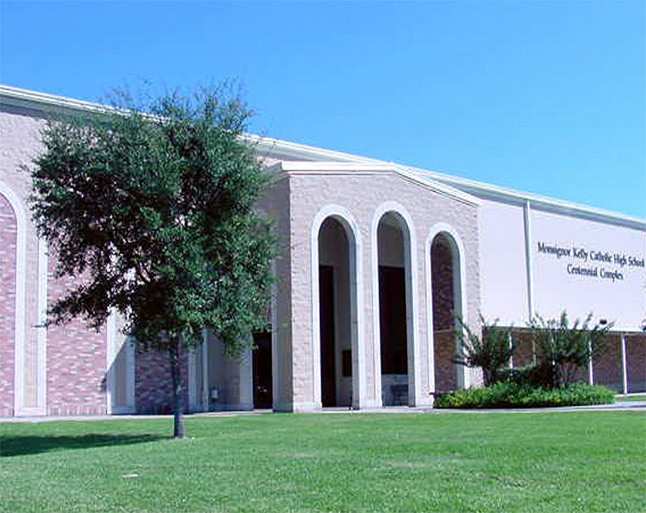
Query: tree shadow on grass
[[24, 445]]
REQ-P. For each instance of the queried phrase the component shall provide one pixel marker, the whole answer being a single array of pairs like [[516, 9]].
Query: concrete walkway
[[618, 406]]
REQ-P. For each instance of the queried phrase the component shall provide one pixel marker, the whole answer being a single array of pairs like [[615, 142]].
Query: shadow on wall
[[24, 445]]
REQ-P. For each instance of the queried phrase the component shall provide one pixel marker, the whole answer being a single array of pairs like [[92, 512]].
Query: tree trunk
[[178, 395], [487, 377]]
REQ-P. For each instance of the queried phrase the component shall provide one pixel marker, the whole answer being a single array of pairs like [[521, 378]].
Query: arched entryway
[[447, 305], [8, 278], [336, 325], [395, 309]]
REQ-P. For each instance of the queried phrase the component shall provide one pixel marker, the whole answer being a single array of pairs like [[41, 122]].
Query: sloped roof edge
[[326, 167], [300, 152]]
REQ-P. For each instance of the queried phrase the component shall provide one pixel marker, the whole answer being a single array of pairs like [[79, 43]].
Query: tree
[[563, 348], [153, 206], [491, 351]]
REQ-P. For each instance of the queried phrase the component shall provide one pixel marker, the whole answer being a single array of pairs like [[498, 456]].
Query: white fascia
[[504, 194]]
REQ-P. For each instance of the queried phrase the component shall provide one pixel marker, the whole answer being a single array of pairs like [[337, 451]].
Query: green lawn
[[559, 462], [640, 397]]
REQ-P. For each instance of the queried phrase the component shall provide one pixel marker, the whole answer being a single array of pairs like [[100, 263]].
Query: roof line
[[474, 187], [25, 97], [327, 167], [16, 95]]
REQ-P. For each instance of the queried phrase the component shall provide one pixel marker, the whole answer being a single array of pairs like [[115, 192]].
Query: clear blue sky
[[547, 97]]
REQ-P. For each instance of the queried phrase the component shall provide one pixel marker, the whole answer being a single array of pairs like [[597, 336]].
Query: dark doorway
[[262, 376], [394, 270], [326, 315], [392, 319]]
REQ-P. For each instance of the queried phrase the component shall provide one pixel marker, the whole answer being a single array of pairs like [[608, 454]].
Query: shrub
[[491, 351], [533, 375], [566, 348], [512, 395]]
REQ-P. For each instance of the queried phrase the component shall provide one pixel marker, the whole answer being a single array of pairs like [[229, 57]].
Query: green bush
[[513, 395], [490, 349], [567, 347], [533, 375]]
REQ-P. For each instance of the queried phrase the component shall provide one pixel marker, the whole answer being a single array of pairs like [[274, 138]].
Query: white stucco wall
[[503, 275], [362, 195], [503, 267], [622, 300], [232, 377]]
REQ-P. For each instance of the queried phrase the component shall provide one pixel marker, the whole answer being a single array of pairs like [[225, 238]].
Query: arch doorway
[[337, 308], [395, 308], [447, 306], [8, 279]]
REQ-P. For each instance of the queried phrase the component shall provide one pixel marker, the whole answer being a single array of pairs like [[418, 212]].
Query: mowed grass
[[558, 462], [640, 397]]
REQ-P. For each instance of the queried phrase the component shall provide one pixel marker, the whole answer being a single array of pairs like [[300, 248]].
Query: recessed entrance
[[8, 277], [335, 313], [262, 371], [445, 280], [328, 346], [394, 336]]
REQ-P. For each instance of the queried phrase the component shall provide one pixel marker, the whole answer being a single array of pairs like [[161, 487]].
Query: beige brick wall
[[361, 195]]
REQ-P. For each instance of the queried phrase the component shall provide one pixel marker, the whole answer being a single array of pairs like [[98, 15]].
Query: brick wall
[[636, 363], [608, 369], [445, 371], [442, 283], [524, 353], [76, 360], [153, 384], [364, 197], [443, 311], [8, 237]]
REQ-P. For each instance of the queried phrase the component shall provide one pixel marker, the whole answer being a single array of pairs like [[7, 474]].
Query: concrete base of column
[[303, 407], [422, 402], [234, 407], [367, 404]]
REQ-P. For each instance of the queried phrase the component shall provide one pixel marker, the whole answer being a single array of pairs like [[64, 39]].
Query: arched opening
[[393, 243], [447, 307], [337, 311], [8, 279]]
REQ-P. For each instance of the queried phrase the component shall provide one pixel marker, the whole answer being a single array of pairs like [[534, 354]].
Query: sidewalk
[[618, 406]]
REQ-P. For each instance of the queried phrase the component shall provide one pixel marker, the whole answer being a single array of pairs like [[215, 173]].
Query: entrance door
[[392, 297], [328, 362], [262, 379]]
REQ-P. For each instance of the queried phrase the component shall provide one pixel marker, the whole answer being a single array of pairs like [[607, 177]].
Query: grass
[[539, 462], [640, 397]]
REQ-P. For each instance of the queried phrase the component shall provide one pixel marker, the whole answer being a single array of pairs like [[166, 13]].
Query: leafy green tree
[[152, 205], [490, 350], [564, 348]]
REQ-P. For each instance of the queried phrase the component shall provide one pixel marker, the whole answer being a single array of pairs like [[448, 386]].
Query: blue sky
[[547, 97]]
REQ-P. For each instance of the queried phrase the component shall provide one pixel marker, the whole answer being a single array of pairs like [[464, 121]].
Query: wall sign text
[[593, 262]]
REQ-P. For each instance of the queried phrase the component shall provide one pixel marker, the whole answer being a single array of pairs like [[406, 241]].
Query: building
[[375, 258]]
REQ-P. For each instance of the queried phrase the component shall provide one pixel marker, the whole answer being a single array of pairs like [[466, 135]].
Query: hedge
[[533, 375], [513, 395]]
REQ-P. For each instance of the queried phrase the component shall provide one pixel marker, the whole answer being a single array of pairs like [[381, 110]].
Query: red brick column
[[608, 368], [153, 384], [442, 284], [8, 241], [443, 322], [524, 353], [445, 371], [636, 363], [76, 360]]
